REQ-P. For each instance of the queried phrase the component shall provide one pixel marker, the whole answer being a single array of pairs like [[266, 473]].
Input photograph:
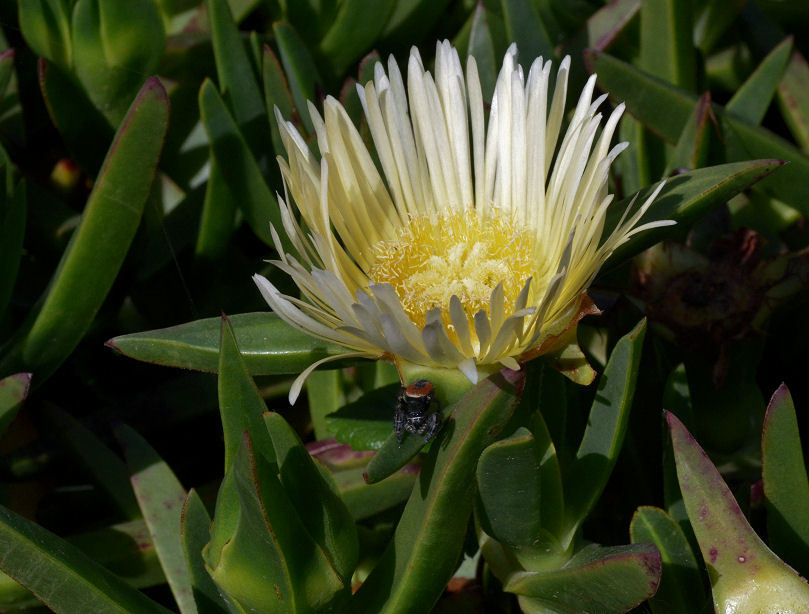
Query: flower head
[[478, 239]]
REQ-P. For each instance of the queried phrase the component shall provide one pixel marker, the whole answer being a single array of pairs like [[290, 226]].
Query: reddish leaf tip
[[8, 53], [153, 86]]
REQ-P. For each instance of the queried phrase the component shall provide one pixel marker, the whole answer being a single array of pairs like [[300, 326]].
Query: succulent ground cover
[[358, 306]]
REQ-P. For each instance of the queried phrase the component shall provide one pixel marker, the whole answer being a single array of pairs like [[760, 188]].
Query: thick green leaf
[[300, 70], [346, 467], [793, 98], [604, 26], [665, 110], [698, 138], [662, 107], [124, 549], [115, 44], [366, 500], [276, 94], [524, 27], [240, 404], [605, 580], [104, 466], [666, 44], [366, 423], [752, 99], [13, 391], [268, 345], [606, 427], [355, 29], [550, 475], [510, 489], [196, 533], [714, 20], [13, 210], [681, 590], [324, 391], [745, 575], [319, 508], [86, 132], [238, 166], [481, 46], [60, 575], [412, 18], [260, 553], [6, 69], [414, 569], [45, 24], [98, 247], [677, 400], [684, 199], [217, 220], [241, 8], [161, 498], [786, 486], [237, 81]]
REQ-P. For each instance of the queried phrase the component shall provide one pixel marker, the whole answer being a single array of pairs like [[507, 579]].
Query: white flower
[[478, 239]]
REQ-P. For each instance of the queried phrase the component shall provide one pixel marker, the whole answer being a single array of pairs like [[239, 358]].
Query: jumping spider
[[413, 411]]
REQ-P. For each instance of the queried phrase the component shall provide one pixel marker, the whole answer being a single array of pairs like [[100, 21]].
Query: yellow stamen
[[434, 257]]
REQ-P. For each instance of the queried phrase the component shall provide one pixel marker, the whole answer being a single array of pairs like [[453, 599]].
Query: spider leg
[[432, 425]]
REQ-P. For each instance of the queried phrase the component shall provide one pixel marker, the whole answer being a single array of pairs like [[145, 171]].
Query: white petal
[[295, 389], [469, 369]]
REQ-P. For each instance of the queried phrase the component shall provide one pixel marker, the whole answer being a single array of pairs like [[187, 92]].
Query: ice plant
[[477, 242]]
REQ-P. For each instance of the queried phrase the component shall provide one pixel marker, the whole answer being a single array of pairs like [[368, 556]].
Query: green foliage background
[[137, 183]]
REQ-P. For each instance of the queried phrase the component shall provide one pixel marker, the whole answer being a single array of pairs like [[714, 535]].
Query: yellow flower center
[[434, 257]]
